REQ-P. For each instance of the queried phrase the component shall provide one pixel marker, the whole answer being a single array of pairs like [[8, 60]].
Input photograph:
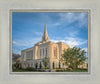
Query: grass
[[58, 70], [77, 70], [29, 69], [20, 70]]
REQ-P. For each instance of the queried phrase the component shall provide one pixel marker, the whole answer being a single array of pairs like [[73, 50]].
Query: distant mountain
[[15, 57]]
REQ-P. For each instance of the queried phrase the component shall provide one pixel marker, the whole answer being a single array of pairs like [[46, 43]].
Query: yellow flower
[[46, 67], [70, 69]]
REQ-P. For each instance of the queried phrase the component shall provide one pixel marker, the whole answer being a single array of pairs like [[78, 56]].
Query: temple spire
[[45, 35]]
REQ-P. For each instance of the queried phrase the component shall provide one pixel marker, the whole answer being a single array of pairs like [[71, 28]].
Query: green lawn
[[57, 70], [77, 70], [23, 70]]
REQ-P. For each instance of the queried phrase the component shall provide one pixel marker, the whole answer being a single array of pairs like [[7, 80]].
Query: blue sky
[[69, 27]]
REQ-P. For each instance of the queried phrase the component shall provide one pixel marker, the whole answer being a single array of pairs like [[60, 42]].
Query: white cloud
[[23, 44], [16, 51], [56, 24], [26, 43], [14, 42], [74, 33], [72, 41], [38, 33], [72, 17], [53, 24], [75, 40], [85, 49], [68, 17], [75, 43]]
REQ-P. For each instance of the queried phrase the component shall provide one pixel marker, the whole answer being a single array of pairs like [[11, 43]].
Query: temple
[[44, 49]]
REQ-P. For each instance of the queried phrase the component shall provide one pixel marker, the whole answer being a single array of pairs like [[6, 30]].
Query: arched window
[[40, 65], [55, 52], [43, 52], [46, 52], [63, 64], [22, 56], [31, 64], [59, 65], [40, 53], [53, 65], [37, 54], [28, 65]]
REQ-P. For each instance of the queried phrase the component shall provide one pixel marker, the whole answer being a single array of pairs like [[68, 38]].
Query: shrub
[[46, 67], [70, 69], [56, 68], [63, 69], [29, 69]]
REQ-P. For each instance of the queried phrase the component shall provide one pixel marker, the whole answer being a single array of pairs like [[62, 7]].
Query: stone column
[[24, 56], [50, 54]]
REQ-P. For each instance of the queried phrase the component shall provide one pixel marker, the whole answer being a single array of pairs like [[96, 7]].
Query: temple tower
[[45, 35]]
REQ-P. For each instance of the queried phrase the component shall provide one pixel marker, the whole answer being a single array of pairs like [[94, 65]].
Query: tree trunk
[[73, 69]]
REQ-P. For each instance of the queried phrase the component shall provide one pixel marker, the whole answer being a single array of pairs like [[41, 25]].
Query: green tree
[[73, 57], [45, 61], [17, 65]]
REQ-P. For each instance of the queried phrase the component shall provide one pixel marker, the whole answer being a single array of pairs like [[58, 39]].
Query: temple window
[[40, 53], [55, 52], [46, 52], [43, 52]]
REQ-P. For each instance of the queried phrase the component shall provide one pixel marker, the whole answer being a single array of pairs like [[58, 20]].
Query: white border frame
[[6, 78]]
